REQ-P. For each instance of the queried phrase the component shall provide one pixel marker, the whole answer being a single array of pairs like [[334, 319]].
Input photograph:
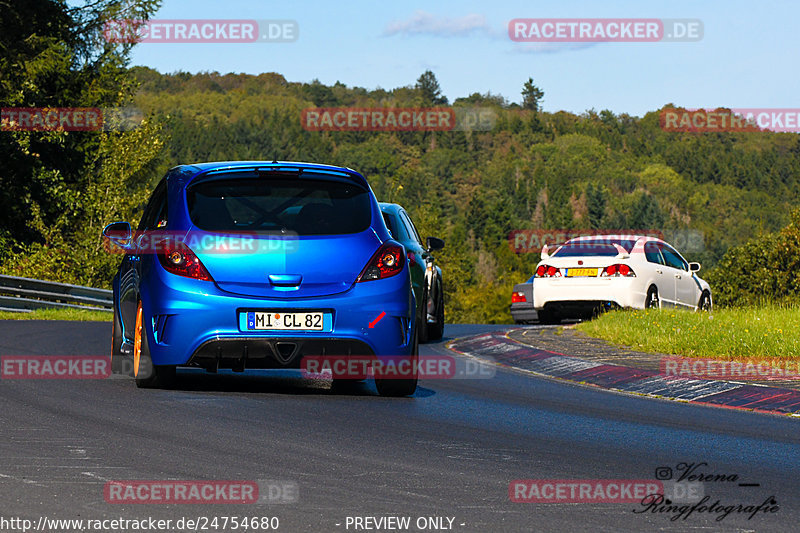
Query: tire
[[422, 321], [436, 330], [652, 301], [120, 364], [146, 374], [548, 317], [401, 387], [705, 302]]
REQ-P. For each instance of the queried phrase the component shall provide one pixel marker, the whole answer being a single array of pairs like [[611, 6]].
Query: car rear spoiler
[[266, 171], [546, 249], [622, 253]]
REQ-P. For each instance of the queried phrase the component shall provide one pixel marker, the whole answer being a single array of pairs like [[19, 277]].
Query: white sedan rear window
[[600, 247]]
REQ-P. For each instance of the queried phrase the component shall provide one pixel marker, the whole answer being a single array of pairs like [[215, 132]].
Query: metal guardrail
[[26, 294]]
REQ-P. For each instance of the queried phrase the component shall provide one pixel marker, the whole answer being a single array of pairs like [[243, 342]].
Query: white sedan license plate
[[581, 272], [274, 320]]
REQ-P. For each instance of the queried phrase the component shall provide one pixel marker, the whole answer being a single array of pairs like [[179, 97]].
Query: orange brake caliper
[[137, 340]]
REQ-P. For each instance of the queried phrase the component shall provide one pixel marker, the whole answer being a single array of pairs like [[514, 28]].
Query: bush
[[764, 270]]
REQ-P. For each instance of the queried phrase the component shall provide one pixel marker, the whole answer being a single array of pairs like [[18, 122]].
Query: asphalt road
[[450, 451]]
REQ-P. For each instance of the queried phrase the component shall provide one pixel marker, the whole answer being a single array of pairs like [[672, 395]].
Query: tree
[[531, 96], [645, 213], [58, 188], [483, 99], [428, 86], [320, 94], [595, 205]]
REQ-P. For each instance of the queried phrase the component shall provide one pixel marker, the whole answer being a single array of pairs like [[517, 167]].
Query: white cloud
[[422, 23]]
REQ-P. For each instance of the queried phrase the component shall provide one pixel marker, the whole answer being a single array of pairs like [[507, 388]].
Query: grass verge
[[761, 333], [83, 315]]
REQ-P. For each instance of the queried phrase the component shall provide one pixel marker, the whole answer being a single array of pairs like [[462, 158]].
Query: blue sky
[[747, 57]]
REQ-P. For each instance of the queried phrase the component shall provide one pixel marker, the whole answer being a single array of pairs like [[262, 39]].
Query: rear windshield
[[599, 247], [303, 206], [387, 218]]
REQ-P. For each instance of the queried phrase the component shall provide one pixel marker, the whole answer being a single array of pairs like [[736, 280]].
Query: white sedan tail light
[[545, 271], [619, 270]]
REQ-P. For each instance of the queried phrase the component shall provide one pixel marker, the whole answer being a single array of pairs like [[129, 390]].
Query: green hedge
[[763, 270]]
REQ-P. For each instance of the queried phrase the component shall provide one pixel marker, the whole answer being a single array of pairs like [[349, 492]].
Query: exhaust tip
[[285, 351]]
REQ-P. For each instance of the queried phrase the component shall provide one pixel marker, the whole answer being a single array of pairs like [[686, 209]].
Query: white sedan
[[606, 271]]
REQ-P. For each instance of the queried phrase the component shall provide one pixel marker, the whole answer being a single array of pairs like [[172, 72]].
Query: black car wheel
[[436, 330], [422, 319], [652, 301], [705, 302], [120, 364]]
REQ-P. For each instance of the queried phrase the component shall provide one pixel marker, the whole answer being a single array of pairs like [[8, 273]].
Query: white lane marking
[[95, 476], [26, 481]]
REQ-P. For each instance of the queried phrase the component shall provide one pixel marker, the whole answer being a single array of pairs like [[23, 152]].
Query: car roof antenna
[[274, 159]]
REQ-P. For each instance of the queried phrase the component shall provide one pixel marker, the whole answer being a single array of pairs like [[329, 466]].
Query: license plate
[[276, 320], [581, 272]]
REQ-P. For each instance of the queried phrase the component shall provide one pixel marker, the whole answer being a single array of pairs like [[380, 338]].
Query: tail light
[[618, 270], [385, 263], [545, 271], [177, 258], [517, 297]]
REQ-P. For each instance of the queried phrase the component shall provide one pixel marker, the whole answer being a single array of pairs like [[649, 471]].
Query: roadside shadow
[[267, 382]]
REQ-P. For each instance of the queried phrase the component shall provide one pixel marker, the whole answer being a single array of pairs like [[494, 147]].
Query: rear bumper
[[573, 295], [190, 322], [241, 353], [579, 308], [523, 312]]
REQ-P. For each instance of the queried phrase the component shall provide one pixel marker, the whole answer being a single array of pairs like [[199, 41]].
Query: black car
[[426, 276]]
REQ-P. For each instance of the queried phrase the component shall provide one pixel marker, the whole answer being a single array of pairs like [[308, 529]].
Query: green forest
[[532, 170]]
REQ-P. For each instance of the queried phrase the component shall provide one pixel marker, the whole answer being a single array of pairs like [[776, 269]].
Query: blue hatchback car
[[256, 265]]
